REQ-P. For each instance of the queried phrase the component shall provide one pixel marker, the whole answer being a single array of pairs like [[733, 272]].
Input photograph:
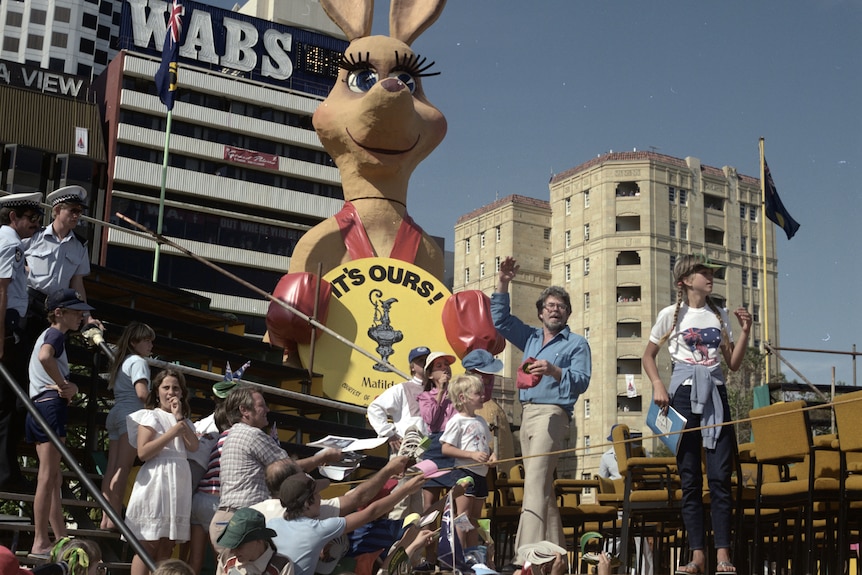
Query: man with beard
[[556, 371]]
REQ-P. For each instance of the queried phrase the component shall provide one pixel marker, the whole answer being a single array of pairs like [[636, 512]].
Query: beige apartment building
[[610, 235]]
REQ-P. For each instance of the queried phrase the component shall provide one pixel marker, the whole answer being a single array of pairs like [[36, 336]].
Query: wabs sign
[[217, 38]]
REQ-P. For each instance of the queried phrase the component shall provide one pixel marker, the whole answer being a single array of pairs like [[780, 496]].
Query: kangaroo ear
[[409, 18], [352, 16]]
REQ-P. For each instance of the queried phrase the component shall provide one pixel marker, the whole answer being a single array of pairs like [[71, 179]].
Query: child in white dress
[[160, 504]]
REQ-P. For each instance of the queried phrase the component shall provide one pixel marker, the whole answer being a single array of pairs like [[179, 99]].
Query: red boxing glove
[[468, 324], [296, 290]]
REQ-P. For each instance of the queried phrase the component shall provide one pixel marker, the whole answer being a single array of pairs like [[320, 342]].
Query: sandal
[[690, 568], [724, 567]]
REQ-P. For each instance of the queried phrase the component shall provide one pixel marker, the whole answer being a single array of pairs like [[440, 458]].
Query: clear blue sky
[[532, 88]]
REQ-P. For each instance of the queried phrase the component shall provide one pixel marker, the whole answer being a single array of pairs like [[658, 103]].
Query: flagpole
[[765, 288], [162, 194]]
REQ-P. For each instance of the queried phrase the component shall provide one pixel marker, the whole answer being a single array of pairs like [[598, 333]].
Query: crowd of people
[[225, 482]]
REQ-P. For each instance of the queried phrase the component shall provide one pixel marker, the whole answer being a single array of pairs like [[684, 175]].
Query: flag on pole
[[449, 552], [775, 209], [166, 77]]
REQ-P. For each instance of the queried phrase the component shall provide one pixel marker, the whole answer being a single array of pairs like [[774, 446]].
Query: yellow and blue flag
[[775, 209]]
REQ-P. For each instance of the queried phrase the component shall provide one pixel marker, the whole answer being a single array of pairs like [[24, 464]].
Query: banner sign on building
[[237, 44], [35, 78], [82, 141], [250, 157]]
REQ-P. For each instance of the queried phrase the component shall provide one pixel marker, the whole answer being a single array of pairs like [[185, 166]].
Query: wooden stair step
[[77, 532]]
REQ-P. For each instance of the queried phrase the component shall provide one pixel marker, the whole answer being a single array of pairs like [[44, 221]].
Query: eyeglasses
[[32, 217], [76, 211], [554, 306]]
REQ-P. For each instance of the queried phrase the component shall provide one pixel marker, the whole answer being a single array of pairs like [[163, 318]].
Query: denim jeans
[[719, 466]]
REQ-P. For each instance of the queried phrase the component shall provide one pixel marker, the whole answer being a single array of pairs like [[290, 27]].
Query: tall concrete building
[[246, 173], [616, 225]]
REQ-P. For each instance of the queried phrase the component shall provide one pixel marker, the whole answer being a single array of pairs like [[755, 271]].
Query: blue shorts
[[54, 409], [480, 482]]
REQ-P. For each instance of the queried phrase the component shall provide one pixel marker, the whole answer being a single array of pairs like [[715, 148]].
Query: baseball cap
[[428, 468], [438, 354], [482, 361], [67, 299], [296, 489], [417, 352], [611, 434], [247, 524], [688, 264]]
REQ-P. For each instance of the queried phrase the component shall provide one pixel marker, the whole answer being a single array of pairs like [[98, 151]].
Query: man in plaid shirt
[[247, 451]]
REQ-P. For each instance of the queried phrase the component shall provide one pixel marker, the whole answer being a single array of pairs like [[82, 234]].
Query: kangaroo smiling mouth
[[382, 150]]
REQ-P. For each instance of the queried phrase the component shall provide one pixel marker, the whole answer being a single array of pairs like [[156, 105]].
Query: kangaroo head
[[376, 122]]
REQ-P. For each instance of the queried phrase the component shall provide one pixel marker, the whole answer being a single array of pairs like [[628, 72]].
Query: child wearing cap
[[51, 393], [698, 336], [129, 378], [249, 548], [302, 535], [436, 410]]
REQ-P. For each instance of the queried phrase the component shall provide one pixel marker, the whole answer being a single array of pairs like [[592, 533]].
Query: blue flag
[[166, 77], [775, 210]]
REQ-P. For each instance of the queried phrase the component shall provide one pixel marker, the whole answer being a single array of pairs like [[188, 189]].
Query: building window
[[755, 313], [467, 246], [56, 64], [713, 236], [89, 21], [14, 19], [34, 42], [467, 275], [672, 263], [586, 266], [547, 233], [683, 231], [586, 409], [673, 228], [743, 243], [568, 203], [586, 300], [682, 198], [10, 44], [568, 238], [62, 14], [587, 333], [482, 270], [59, 40], [546, 264], [38, 16], [482, 240], [745, 277], [586, 232], [497, 231], [754, 278], [586, 198], [752, 213], [671, 194], [568, 271], [87, 46], [754, 245], [713, 203], [586, 444], [497, 264], [743, 210]]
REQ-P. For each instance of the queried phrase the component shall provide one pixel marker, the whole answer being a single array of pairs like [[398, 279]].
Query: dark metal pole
[[79, 471]]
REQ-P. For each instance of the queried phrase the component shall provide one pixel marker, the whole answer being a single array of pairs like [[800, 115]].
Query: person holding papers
[[698, 335]]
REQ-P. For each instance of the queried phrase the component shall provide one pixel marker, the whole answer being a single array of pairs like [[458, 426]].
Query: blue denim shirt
[[566, 350]]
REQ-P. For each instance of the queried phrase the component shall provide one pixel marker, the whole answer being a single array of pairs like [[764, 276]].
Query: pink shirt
[[435, 415]]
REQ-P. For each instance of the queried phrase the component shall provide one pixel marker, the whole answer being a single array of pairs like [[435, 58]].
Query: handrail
[[79, 471]]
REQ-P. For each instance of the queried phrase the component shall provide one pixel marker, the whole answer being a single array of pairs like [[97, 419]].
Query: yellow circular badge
[[387, 307]]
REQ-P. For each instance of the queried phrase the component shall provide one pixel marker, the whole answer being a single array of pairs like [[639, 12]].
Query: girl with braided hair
[[81, 556], [698, 336]]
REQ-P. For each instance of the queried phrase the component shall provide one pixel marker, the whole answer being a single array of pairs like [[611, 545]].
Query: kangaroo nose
[[392, 84]]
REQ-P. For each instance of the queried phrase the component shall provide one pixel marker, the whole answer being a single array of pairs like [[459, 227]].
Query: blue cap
[[66, 299], [481, 361], [417, 352]]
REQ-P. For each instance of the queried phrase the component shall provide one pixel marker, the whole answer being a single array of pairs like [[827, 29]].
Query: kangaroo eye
[[406, 78], [361, 80]]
